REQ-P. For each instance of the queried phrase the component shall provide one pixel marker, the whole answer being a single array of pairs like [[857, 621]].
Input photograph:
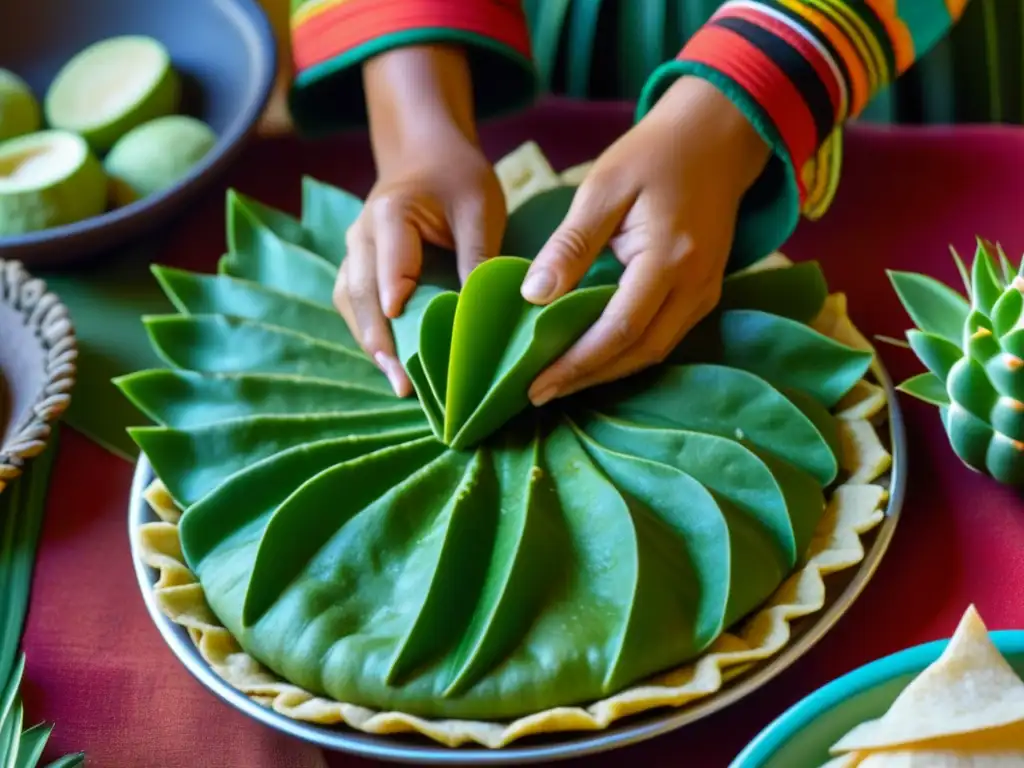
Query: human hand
[[434, 185], [664, 198]]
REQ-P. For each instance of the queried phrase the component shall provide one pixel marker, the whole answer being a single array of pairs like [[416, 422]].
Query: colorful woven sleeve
[[332, 38], [799, 69]]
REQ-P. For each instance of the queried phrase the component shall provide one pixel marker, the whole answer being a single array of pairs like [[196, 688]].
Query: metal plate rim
[[576, 745]]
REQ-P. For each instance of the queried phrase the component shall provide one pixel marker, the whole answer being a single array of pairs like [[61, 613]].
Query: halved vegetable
[[111, 87], [48, 179]]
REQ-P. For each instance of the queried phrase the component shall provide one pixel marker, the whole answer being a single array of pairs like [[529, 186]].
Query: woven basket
[[37, 366]]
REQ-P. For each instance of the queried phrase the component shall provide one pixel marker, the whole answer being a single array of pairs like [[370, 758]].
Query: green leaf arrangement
[[973, 348], [21, 516], [465, 555]]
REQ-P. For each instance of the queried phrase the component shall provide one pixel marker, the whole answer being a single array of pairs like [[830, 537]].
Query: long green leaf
[[934, 307], [937, 354], [10, 689], [22, 507], [986, 286], [68, 761], [21, 520], [10, 735], [33, 742], [927, 387]]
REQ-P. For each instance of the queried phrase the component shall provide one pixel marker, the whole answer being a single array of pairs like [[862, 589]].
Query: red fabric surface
[[98, 668]]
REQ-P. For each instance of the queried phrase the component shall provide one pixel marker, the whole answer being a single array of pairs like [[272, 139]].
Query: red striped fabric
[[352, 23], [796, 41], [744, 63]]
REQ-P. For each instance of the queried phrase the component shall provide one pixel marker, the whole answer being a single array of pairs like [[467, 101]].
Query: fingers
[[681, 311], [477, 238], [643, 289], [356, 296], [399, 252], [595, 212]]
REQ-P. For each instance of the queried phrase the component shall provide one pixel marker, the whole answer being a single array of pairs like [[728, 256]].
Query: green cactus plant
[[463, 554], [973, 348]]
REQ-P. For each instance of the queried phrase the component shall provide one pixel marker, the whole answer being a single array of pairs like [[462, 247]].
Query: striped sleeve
[[799, 69], [332, 38]]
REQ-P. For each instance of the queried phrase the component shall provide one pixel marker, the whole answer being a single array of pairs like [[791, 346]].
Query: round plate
[[806, 731], [225, 52], [843, 588]]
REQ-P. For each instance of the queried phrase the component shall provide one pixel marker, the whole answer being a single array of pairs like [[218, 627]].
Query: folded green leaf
[[261, 255], [327, 214], [491, 380], [246, 217], [222, 344], [184, 399], [221, 449], [531, 224], [194, 294]]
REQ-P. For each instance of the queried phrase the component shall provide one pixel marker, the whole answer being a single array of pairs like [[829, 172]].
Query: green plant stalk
[[22, 508]]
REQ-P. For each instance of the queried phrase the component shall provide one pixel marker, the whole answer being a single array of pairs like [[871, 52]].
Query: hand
[[434, 185], [664, 197]]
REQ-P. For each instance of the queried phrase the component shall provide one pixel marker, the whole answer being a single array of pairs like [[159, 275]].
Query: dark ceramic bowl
[[224, 50]]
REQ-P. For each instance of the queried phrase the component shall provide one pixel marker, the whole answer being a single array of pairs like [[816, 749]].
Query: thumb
[[592, 219], [477, 234]]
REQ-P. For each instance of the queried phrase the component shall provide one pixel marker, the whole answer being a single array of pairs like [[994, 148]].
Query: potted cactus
[[973, 348]]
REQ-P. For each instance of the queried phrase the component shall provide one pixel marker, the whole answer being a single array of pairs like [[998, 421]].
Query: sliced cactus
[[973, 348]]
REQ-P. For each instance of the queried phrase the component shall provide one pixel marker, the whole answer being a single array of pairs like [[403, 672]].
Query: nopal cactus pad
[[973, 347], [463, 554]]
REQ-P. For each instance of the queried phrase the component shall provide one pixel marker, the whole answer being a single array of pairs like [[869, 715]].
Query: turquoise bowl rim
[[802, 714]]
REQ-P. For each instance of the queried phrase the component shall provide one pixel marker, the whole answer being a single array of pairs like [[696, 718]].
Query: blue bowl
[[225, 52], [802, 736]]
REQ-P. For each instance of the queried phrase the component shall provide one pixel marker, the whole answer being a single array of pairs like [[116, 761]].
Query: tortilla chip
[[864, 401], [863, 455], [525, 173], [851, 760], [969, 688], [944, 759], [988, 740], [574, 176]]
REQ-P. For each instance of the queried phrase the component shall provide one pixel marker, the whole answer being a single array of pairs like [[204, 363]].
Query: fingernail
[[392, 369], [538, 285], [544, 396]]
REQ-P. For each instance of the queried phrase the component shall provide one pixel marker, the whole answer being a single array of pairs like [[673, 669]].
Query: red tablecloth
[[98, 668]]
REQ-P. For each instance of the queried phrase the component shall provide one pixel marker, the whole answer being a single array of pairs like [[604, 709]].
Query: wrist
[[418, 96], [703, 112]]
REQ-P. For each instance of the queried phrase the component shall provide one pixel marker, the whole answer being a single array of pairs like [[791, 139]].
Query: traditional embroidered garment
[[799, 69]]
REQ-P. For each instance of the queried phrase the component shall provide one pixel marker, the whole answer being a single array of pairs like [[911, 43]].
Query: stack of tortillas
[[966, 710]]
